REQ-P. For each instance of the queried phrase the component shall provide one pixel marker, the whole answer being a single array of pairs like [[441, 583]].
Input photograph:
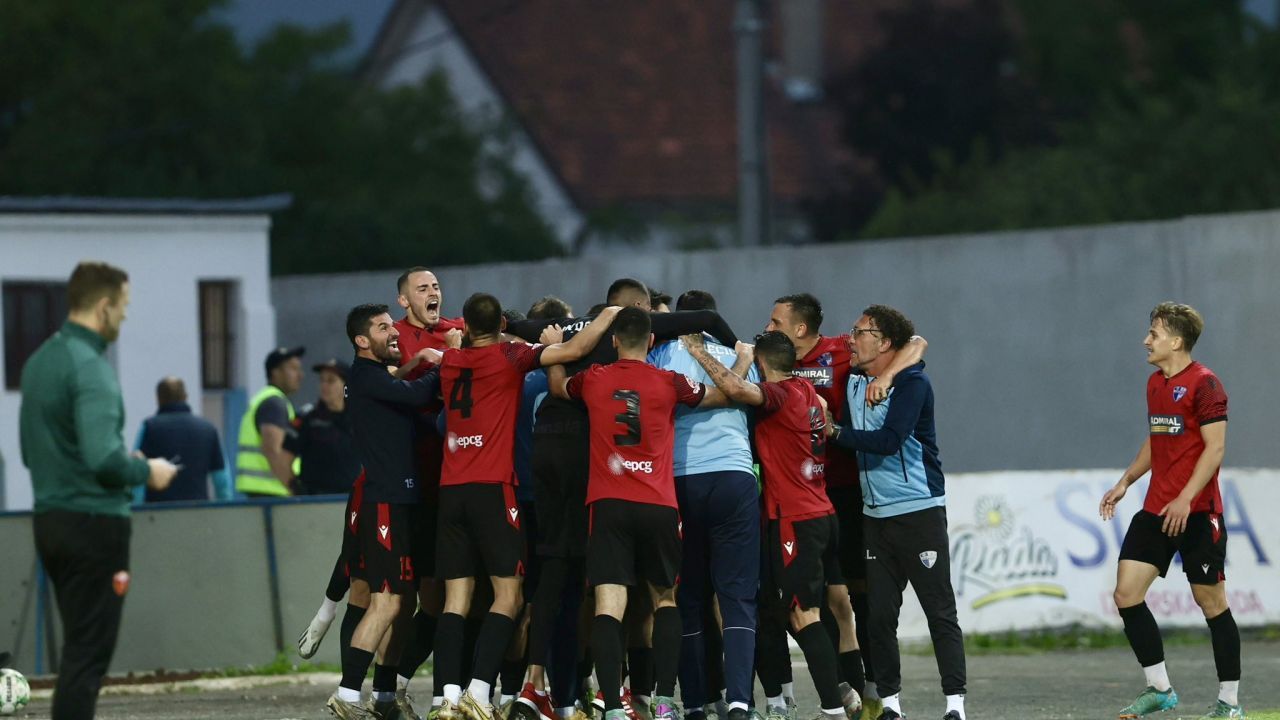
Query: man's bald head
[[170, 390]]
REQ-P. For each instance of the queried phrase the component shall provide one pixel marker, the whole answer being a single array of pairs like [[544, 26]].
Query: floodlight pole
[[753, 167]]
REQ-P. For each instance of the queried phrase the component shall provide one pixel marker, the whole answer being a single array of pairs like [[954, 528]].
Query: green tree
[[154, 98]]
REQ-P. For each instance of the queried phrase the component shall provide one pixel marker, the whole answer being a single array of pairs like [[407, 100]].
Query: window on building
[[217, 334], [32, 312]]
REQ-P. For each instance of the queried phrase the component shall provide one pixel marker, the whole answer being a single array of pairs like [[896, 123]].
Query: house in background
[[625, 113], [200, 301]]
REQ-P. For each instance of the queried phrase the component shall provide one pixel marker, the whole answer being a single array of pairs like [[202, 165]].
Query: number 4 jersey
[[481, 388], [631, 406]]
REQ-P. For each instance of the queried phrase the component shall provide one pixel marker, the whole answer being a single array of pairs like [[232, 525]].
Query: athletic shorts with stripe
[[479, 532], [386, 545], [801, 559]]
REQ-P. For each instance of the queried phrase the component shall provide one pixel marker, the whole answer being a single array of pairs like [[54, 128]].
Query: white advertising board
[[1028, 551]]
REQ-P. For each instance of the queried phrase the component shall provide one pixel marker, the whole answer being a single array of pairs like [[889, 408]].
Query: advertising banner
[[1028, 550]]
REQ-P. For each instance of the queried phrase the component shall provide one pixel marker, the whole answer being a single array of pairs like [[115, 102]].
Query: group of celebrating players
[[565, 460], [589, 466]]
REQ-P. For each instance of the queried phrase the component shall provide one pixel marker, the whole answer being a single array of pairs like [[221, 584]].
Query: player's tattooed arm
[[746, 356], [910, 354], [734, 387]]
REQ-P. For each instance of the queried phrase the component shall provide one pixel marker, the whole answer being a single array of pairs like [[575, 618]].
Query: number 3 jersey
[[1177, 408], [631, 406], [481, 388]]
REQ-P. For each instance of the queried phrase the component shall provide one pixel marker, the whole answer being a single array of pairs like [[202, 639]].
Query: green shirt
[[71, 426]]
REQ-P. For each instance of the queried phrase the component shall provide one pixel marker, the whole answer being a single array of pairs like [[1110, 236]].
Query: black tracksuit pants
[[84, 556], [912, 548]]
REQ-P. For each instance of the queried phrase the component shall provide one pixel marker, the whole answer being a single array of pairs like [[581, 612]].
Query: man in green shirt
[[71, 425]]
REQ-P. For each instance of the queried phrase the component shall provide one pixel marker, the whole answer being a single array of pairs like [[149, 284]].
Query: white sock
[[737, 706], [772, 702], [894, 702], [837, 713], [328, 609], [955, 702], [504, 699], [437, 701], [348, 695], [1157, 677], [402, 682], [1229, 692], [565, 712], [480, 690], [453, 693], [789, 691], [384, 695], [542, 693]]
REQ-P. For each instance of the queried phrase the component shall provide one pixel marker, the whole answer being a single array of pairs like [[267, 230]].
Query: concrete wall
[[166, 257], [200, 595], [1035, 337]]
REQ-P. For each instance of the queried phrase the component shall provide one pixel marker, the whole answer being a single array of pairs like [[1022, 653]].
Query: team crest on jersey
[[825, 359], [928, 558], [1179, 392], [1166, 424]]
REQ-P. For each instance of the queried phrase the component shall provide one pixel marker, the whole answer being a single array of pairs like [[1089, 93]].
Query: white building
[[200, 310]]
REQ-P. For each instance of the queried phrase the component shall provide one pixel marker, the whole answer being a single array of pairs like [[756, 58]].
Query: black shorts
[[631, 541], [560, 461], [386, 546], [479, 532], [801, 560], [1203, 546], [852, 551], [351, 557]]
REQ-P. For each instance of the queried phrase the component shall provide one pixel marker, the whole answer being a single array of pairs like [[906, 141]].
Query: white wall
[[166, 257]]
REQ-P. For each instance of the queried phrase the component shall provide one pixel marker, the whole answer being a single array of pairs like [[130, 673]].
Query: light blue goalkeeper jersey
[[708, 440]]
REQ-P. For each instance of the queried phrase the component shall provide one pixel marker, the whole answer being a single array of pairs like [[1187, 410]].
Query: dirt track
[[1068, 684]]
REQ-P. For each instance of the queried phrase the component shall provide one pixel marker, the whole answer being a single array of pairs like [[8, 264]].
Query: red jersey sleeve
[[1211, 401], [775, 397], [688, 391], [574, 386], [523, 357]]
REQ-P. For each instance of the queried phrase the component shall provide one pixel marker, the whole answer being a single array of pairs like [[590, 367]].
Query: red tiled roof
[[635, 102]]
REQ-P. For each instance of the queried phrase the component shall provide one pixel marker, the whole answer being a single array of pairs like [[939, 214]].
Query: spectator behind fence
[[188, 441], [323, 442], [264, 468]]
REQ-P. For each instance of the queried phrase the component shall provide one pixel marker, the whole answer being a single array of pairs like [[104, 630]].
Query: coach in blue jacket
[[904, 504]]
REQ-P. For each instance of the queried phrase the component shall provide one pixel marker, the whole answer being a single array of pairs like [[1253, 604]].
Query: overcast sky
[[254, 18]]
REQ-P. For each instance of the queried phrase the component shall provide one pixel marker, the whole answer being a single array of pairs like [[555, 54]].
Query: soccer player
[[720, 511], [802, 568], [904, 506], [824, 361], [560, 466], [1182, 513], [634, 523], [384, 412], [479, 518]]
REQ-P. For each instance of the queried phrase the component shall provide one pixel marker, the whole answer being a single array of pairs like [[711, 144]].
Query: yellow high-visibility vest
[[253, 471]]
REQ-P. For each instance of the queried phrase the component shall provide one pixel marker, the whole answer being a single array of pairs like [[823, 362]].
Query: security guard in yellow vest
[[263, 466]]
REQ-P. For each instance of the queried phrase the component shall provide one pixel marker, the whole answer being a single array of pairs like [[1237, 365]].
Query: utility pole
[[753, 160]]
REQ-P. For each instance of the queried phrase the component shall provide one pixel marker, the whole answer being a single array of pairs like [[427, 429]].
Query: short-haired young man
[[1182, 513]]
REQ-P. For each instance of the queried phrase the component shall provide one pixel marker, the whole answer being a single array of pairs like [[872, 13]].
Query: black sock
[[862, 615], [606, 646], [421, 641], [339, 583], [470, 636], [666, 649], [384, 678], [640, 670], [586, 664], [512, 675], [851, 670], [354, 667], [771, 652], [350, 619], [1143, 633], [491, 646], [821, 657], [449, 642], [1226, 646]]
